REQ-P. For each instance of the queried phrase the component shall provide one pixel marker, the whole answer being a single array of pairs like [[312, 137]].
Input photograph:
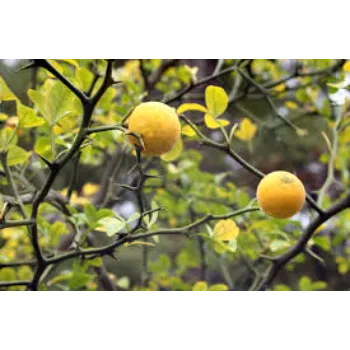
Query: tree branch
[[45, 64], [108, 249]]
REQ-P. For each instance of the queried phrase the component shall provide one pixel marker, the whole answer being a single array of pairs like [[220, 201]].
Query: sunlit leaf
[[200, 287], [346, 67], [3, 117], [305, 284], [246, 130], [56, 65], [123, 282], [225, 230], [90, 189], [70, 61], [188, 131], [319, 285], [190, 107], [213, 123], [27, 117], [111, 225], [17, 155], [281, 288], [5, 93], [280, 88], [25, 273], [7, 136], [291, 105], [218, 287], [216, 100]]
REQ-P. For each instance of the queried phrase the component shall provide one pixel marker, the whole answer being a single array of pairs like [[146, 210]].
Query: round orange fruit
[[159, 126], [281, 194]]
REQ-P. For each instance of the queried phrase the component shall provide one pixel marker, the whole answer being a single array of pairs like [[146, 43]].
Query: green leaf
[[282, 288], [7, 136], [43, 146], [218, 287], [70, 61], [5, 93], [200, 287], [55, 101], [174, 153], [104, 213], [322, 242], [80, 277], [27, 117], [56, 230], [90, 213], [97, 262], [326, 108], [84, 78], [216, 100], [133, 217], [123, 282], [7, 274], [319, 285], [278, 244], [17, 155], [305, 284], [112, 225], [25, 273], [302, 96], [161, 265]]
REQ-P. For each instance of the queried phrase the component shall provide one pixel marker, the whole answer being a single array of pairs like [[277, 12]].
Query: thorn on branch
[[48, 163], [127, 187], [268, 258], [115, 257], [30, 65]]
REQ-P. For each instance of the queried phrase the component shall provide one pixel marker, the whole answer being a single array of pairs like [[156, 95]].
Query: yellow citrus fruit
[[280, 194], [159, 126]]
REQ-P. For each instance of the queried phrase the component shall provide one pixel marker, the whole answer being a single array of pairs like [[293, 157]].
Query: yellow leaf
[[5, 93], [55, 65], [148, 244], [246, 130], [190, 107], [218, 288], [3, 117], [280, 88], [346, 67], [200, 286], [320, 228], [90, 189], [213, 123], [71, 62], [225, 230], [291, 105], [216, 100], [188, 131]]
